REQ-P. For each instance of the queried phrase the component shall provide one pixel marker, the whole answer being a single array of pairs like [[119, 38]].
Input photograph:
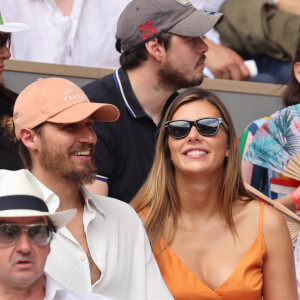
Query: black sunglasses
[[206, 126], [5, 40], [38, 234]]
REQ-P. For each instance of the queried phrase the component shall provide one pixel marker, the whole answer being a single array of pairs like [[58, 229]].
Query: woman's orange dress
[[244, 283]]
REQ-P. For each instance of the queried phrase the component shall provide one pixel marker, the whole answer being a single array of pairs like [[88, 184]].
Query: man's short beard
[[86, 176], [172, 79], [48, 161]]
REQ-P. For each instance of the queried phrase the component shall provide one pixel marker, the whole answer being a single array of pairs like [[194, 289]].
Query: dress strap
[[261, 216], [144, 212]]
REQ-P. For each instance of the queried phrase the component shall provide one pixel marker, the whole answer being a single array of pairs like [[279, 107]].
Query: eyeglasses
[[179, 129], [38, 234], [5, 40]]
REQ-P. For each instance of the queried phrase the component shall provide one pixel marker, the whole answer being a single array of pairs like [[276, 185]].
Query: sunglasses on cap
[[38, 234], [179, 129], [5, 40]]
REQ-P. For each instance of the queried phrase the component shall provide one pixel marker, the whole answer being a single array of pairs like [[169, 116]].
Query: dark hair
[[8, 124], [10, 95], [291, 95], [133, 59], [23, 150], [51, 225]]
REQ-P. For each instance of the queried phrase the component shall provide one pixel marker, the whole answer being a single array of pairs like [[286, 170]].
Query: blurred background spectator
[[82, 32], [9, 157], [276, 23], [73, 32], [267, 179]]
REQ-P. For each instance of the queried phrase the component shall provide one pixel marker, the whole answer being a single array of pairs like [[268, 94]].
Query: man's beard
[[170, 78], [56, 160]]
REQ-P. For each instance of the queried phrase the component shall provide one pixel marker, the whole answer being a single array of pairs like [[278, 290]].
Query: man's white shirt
[[118, 245], [54, 291]]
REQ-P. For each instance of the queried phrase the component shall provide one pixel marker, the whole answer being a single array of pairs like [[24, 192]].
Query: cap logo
[[148, 29], [209, 12], [73, 93], [184, 2]]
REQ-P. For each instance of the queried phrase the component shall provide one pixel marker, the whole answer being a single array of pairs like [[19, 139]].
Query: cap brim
[[13, 27], [59, 219], [197, 23], [80, 111]]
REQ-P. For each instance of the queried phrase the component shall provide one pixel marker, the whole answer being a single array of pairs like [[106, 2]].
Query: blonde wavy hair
[[159, 197]]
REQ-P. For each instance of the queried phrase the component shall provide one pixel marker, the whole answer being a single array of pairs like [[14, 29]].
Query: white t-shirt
[[85, 38], [119, 246]]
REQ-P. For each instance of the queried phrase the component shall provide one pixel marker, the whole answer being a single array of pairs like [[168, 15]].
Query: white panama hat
[[21, 196], [12, 27]]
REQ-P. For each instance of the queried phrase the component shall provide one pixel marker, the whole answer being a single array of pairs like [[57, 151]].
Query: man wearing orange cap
[[104, 249]]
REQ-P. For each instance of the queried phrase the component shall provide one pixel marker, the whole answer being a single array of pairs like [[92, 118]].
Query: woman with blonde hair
[[211, 241]]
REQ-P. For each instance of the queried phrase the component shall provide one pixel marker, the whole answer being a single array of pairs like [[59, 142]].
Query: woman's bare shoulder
[[272, 219], [271, 216]]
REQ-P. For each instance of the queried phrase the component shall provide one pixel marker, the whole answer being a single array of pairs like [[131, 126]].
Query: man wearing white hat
[[26, 230]]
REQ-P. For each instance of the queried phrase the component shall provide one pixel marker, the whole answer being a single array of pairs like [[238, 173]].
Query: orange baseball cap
[[57, 100]]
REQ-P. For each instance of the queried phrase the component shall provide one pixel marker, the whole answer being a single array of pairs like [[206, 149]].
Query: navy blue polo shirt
[[125, 148]]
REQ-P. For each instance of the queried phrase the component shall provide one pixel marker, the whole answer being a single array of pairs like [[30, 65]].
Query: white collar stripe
[[123, 95]]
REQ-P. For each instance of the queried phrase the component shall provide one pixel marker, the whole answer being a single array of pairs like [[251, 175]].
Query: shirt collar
[[53, 201], [52, 288], [92, 201], [130, 101]]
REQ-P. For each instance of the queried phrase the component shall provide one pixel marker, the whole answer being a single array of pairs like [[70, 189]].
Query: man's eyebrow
[[40, 220]]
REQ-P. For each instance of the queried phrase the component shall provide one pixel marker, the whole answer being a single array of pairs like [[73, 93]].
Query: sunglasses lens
[[40, 235], [179, 129], [9, 233], [208, 127]]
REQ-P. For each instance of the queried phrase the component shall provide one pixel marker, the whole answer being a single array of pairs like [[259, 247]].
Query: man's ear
[[297, 71], [155, 49], [29, 138]]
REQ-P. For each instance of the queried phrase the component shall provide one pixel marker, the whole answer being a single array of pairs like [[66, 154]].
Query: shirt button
[[81, 257]]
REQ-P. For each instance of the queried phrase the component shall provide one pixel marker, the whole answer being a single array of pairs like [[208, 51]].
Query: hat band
[[22, 202]]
